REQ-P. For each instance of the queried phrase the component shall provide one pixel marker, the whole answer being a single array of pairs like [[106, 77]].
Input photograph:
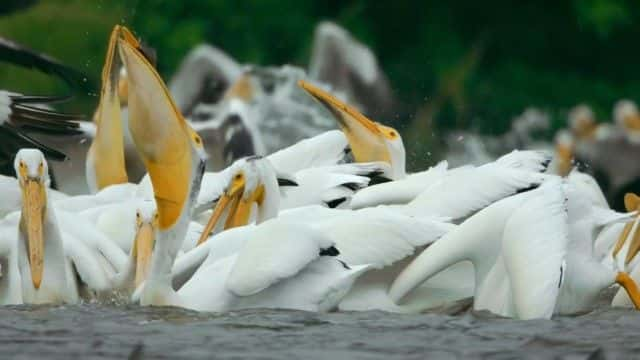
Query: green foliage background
[[459, 64]]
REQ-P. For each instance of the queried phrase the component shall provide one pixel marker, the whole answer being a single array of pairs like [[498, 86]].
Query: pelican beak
[[366, 139], [107, 148], [242, 89], [34, 207], [142, 248], [632, 122], [631, 204], [229, 200], [123, 87], [624, 280], [161, 135], [564, 156]]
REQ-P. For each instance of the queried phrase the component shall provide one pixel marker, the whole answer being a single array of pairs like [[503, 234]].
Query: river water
[[93, 331]]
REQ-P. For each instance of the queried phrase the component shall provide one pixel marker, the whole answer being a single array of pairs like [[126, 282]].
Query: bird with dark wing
[[24, 114]]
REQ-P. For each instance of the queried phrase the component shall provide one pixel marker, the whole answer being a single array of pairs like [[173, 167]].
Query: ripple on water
[[129, 331]]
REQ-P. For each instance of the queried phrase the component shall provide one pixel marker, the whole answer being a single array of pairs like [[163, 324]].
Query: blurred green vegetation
[[461, 64]]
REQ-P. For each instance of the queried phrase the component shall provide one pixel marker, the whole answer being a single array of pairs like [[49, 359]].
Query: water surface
[[93, 331]]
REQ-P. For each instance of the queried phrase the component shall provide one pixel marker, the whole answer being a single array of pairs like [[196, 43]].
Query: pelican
[[519, 249], [379, 238], [112, 155], [174, 156], [43, 264], [610, 152], [586, 274], [627, 117], [371, 141]]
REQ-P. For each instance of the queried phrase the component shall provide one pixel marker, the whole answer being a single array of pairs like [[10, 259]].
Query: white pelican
[[48, 265], [627, 117], [380, 238], [521, 253], [371, 141], [174, 157], [498, 241], [586, 275]]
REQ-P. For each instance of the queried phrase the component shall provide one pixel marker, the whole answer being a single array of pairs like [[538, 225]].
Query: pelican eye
[[238, 177]]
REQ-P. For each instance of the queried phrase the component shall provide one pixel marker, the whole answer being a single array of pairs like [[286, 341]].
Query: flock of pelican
[[333, 222]]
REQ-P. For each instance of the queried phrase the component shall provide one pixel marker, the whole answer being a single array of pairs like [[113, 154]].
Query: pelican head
[[582, 122], [369, 140], [144, 241], [32, 173], [174, 157], [627, 116], [250, 181]]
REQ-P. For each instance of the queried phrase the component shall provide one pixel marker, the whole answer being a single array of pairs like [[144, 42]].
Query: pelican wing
[[535, 241], [86, 263], [84, 237], [380, 236], [221, 245], [10, 194], [325, 149], [20, 55], [331, 185], [400, 191], [275, 251], [466, 190], [529, 160]]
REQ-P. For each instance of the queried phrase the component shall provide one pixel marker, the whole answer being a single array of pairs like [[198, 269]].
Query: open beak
[[34, 204], [365, 138], [160, 133], [142, 248], [624, 280], [229, 200], [108, 145]]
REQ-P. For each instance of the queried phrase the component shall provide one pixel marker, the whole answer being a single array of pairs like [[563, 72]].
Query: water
[[120, 332]]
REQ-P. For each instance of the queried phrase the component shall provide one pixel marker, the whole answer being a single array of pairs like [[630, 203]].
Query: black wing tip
[[528, 188], [330, 251], [335, 202], [352, 186], [378, 179], [286, 182]]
